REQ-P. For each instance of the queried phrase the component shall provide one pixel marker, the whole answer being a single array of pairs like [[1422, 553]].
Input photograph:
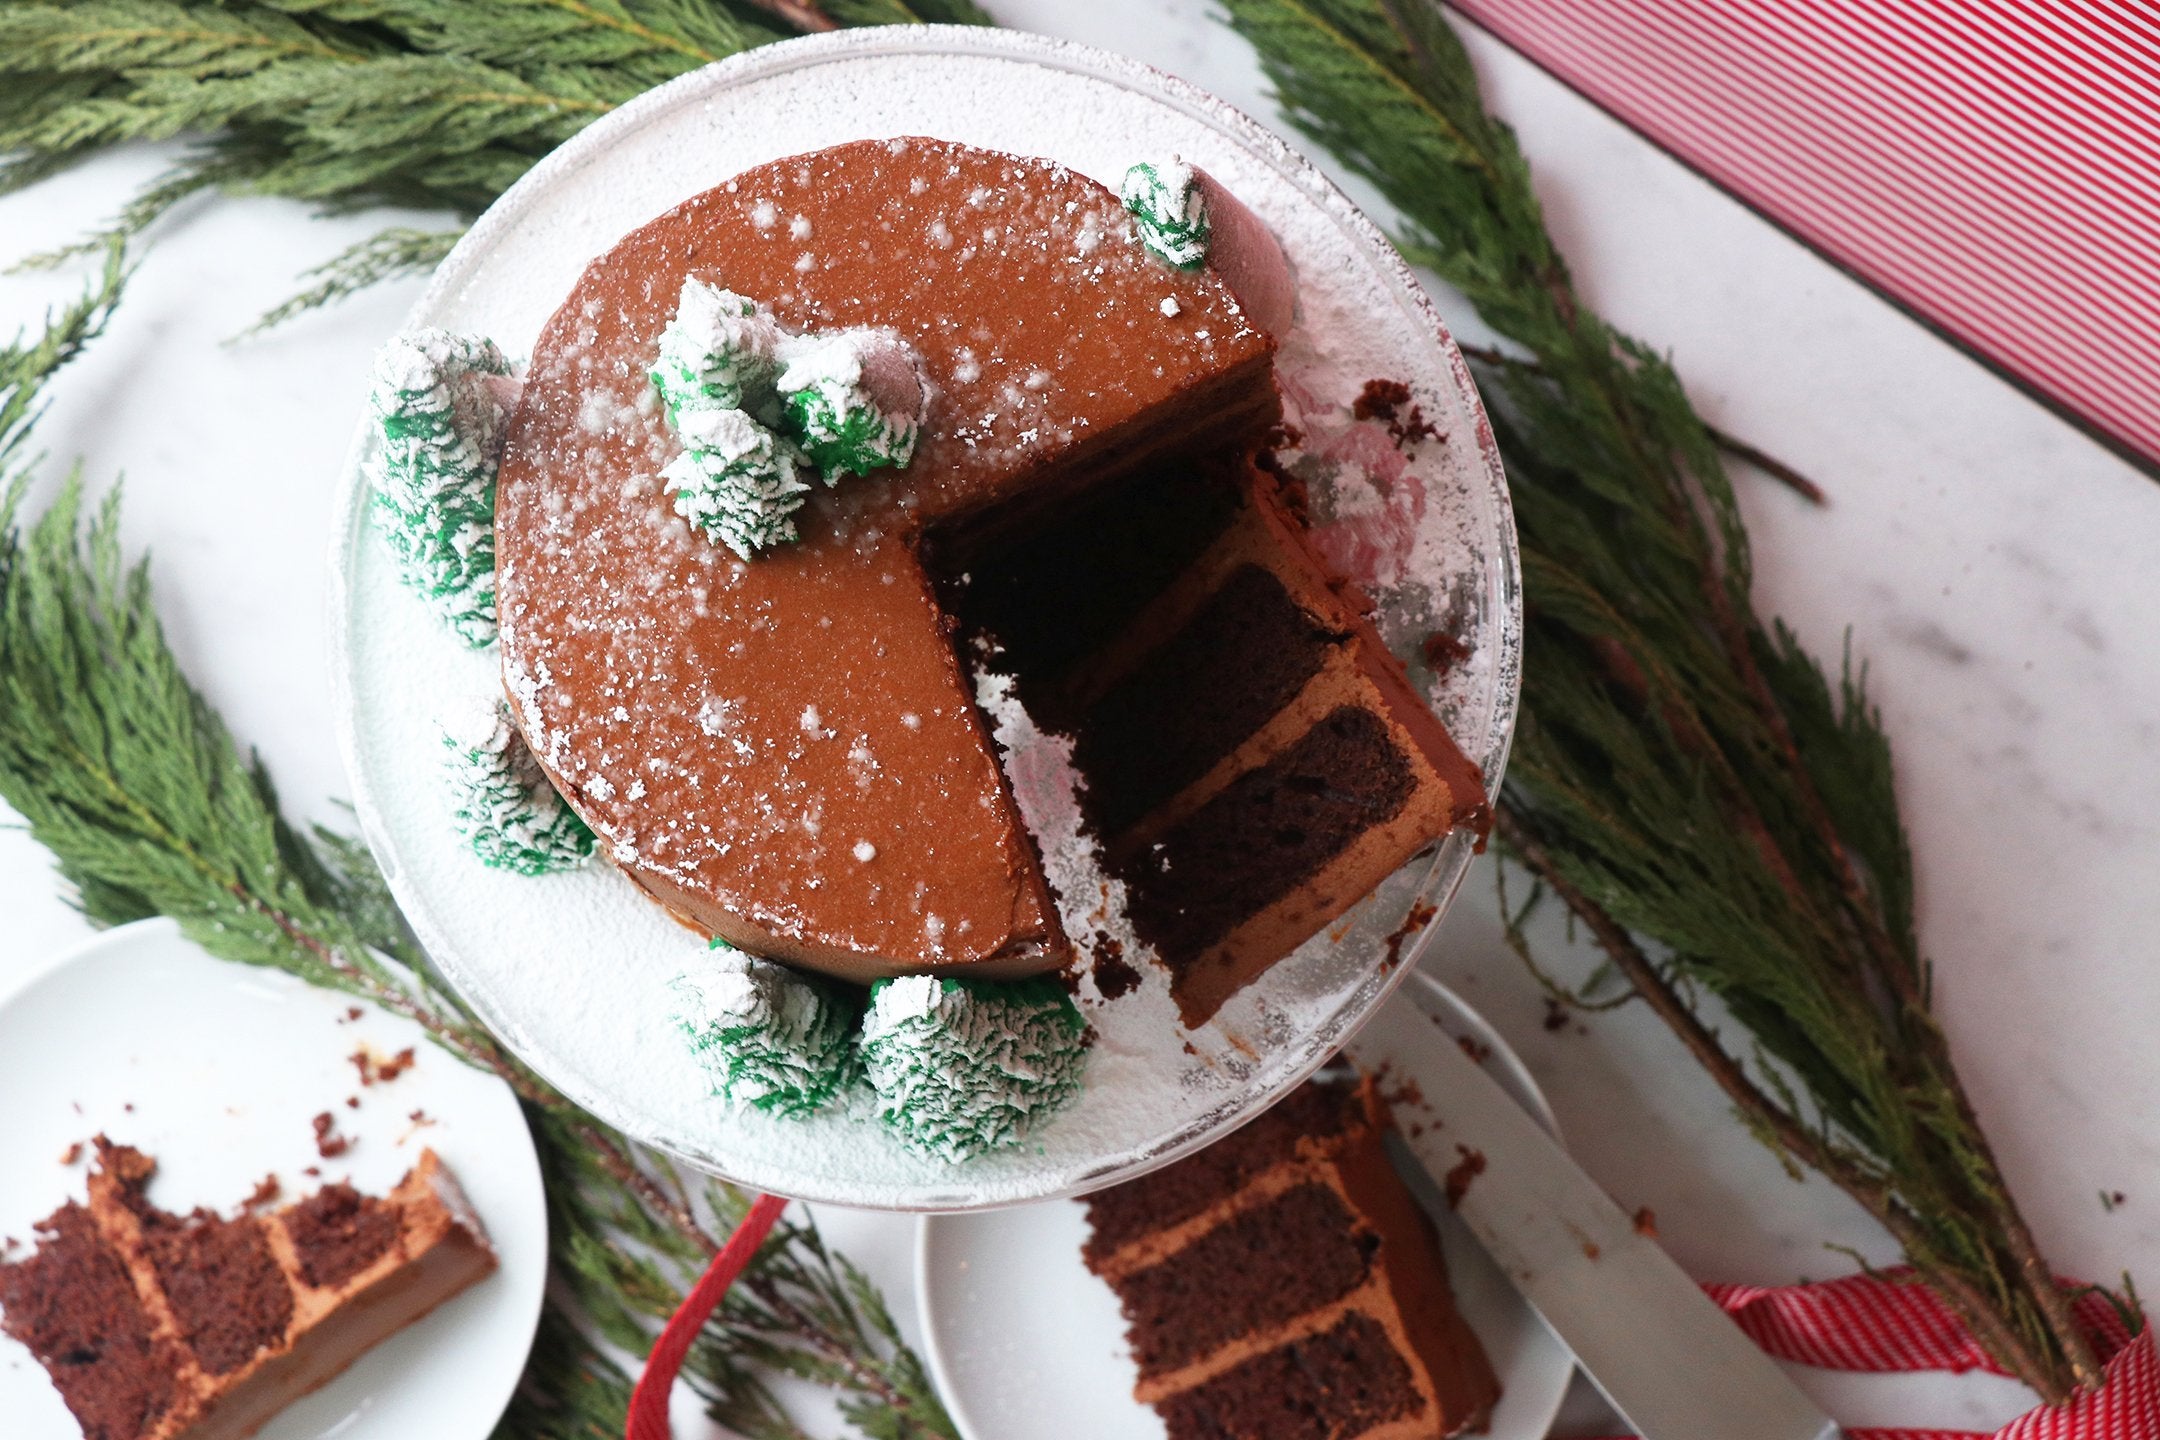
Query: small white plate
[[217, 1071], [1025, 1344]]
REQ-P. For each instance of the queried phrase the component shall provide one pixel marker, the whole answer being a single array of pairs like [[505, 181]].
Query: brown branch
[[768, 1294], [803, 15], [1769, 464], [1725, 440]]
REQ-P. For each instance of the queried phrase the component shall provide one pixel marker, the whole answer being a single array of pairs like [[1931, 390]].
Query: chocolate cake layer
[[337, 1232], [1344, 1382], [1267, 832], [157, 1326], [227, 1294], [1125, 1214], [1240, 1277], [741, 734], [73, 1304], [1243, 656], [1306, 1298]]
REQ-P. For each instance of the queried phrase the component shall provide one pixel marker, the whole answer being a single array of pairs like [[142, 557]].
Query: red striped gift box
[[1993, 165]]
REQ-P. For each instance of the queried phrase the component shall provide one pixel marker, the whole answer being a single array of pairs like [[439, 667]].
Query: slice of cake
[[1255, 759], [156, 1326], [1283, 1285], [785, 750]]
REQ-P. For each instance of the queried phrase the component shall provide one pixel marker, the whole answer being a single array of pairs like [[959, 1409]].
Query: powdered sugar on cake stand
[[572, 970]]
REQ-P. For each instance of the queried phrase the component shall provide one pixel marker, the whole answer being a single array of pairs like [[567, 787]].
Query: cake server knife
[[1667, 1358]]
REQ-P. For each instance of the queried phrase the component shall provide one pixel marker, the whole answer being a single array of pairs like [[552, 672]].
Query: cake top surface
[[790, 739]]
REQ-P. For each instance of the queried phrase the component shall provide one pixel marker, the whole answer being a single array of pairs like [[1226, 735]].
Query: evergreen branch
[[382, 256], [1685, 778]]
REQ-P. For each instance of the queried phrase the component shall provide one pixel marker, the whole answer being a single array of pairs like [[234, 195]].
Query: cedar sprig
[[149, 807], [1715, 812]]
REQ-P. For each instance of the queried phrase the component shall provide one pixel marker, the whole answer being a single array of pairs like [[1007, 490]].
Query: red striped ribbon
[[1993, 164], [1887, 1322]]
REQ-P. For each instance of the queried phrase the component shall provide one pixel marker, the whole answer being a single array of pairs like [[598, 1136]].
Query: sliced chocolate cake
[[155, 1326], [1255, 759], [1283, 1285]]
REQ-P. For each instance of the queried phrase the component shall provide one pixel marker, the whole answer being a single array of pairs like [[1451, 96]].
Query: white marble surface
[[1996, 570]]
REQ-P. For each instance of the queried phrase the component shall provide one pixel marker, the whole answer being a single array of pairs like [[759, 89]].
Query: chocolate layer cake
[[157, 1326], [786, 751], [1255, 759], [1283, 1285]]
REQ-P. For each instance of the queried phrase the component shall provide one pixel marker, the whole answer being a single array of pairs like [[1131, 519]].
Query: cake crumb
[[266, 1193], [1590, 1250], [352, 1013], [380, 1072], [313, 1172], [72, 1154], [328, 1143], [1389, 402], [1465, 1170], [1114, 974], [352, 1102], [1646, 1223], [1556, 1014], [1443, 651], [1478, 1051], [1421, 915]]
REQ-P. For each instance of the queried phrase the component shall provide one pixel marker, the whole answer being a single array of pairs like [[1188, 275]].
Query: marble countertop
[[1994, 568]]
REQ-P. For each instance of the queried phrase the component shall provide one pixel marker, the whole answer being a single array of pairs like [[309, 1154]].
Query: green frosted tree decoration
[[854, 400], [771, 1038], [1168, 210], [720, 352], [964, 1066], [505, 807], [439, 401], [737, 480]]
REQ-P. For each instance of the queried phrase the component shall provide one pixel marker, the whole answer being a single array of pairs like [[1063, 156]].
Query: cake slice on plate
[[1283, 1285], [156, 1326]]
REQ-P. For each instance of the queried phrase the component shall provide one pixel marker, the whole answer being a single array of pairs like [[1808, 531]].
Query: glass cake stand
[[571, 970]]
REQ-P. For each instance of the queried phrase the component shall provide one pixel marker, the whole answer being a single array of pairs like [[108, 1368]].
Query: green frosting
[[720, 352], [854, 403], [441, 429], [1168, 210], [736, 480], [505, 807], [964, 1066], [770, 1038]]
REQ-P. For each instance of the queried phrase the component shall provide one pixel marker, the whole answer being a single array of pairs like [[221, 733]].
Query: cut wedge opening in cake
[[785, 749], [157, 1326]]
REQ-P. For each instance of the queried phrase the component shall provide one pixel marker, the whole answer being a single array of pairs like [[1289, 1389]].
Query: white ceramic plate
[[1025, 1344], [217, 1071], [571, 970]]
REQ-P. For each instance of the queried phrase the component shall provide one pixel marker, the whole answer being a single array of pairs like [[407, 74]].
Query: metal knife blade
[[1667, 1358]]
